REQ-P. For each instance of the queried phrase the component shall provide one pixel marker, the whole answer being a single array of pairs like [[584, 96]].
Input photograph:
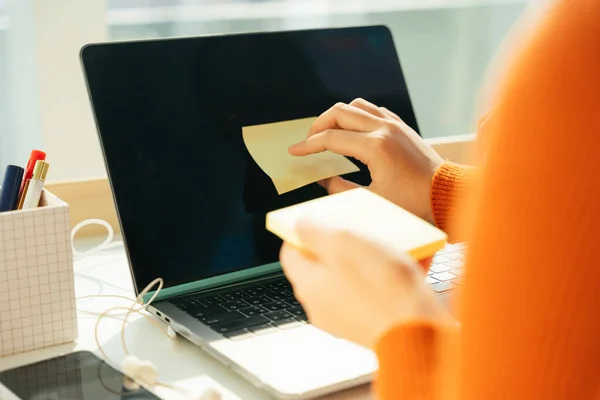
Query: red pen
[[33, 158]]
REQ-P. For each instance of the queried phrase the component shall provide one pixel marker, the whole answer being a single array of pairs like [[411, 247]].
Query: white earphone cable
[[105, 245], [140, 370]]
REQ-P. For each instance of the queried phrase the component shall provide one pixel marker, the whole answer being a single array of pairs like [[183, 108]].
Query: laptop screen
[[190, 198]]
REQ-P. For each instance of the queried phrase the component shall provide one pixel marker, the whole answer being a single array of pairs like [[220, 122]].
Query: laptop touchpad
[[300, 359]]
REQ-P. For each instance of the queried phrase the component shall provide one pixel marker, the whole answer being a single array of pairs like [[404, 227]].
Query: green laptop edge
[[213, 282]]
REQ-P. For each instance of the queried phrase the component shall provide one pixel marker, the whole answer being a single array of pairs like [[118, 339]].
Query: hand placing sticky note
[[368, 215], [268, 145]]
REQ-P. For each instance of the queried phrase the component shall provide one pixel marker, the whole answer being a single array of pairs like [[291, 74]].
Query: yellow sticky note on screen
[[268, 145], [365, 213]]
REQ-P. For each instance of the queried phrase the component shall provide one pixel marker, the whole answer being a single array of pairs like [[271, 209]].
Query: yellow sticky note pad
[[268, 145], [368, 214]]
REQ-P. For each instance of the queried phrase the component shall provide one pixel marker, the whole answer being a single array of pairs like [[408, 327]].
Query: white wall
[[21, 122], [49, 104], [68, 131]]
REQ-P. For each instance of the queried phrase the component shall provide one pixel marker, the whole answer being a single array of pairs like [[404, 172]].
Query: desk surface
[[178, 362]]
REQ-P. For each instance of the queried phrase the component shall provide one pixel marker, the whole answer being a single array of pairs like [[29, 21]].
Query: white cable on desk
[[141, 370], [105, 245]]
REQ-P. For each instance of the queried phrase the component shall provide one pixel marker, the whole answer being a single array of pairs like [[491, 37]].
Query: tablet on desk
[[76, 376]]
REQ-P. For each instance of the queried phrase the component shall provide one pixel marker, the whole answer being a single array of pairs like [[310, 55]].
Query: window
[[444, 45], [4, 130]]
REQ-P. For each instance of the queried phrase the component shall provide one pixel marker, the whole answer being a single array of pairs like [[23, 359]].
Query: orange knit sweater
[[529, 303]]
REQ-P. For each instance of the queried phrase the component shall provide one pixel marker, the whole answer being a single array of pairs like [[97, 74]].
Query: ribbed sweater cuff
[[448, 184], [408, 357]]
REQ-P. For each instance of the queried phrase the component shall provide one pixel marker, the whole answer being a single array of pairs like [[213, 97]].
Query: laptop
[[192, 202]]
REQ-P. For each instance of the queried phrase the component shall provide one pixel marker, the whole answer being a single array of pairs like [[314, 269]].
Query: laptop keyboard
[[446, 268], [248, 309], [270, 306]]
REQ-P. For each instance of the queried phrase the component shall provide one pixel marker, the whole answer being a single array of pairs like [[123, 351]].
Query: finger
[[368, 107], [338, 184], [294, 262], [344, 116], [299, 268], [390, 114], [371, 108], [347, 143], [426, 263], [337, 248], [395, 117]]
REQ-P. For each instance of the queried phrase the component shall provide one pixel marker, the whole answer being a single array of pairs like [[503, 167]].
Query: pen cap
[[40, 170], [33, 158], [37, 155], [9, 193]]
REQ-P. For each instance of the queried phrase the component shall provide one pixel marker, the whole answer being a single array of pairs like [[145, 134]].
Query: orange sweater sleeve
[[449, 184], [530, 327], [453, 181]]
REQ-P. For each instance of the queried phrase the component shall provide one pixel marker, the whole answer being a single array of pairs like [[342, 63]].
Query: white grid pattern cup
[[37, 293]]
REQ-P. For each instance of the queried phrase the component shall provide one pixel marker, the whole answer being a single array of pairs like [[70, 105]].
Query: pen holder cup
[[37, 290]]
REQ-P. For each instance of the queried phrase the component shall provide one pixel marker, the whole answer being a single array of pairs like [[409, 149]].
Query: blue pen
[[9, 193]]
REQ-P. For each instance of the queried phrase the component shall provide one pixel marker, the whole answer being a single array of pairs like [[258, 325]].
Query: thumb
[[426, 263], [337, 184]]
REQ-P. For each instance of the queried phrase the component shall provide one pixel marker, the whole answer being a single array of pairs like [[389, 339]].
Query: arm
[[530, 325]]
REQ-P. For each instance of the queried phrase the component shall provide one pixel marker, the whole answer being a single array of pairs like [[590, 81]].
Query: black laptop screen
[[191, 200]]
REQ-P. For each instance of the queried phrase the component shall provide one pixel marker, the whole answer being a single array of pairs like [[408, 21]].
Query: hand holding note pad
[[268, 145], [365, 213]]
